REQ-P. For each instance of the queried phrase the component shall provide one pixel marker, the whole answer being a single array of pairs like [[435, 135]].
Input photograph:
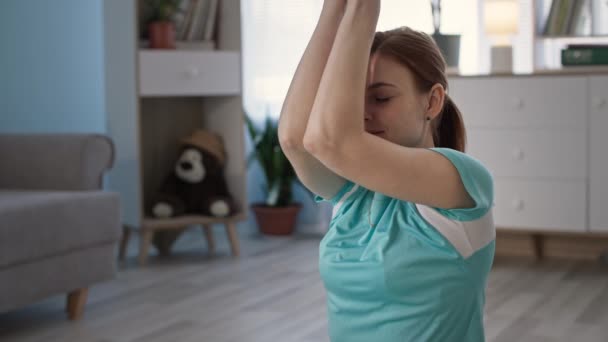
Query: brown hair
[[419, 52]]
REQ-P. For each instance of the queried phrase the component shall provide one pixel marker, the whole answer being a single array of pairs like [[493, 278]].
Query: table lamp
[[500, 22]]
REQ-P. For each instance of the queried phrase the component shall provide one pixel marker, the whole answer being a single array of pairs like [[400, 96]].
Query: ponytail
[[450, 131]]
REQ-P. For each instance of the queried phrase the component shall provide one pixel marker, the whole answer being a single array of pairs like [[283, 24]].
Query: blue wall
[[52, 66]]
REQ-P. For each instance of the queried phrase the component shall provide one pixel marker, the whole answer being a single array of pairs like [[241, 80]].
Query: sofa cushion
[[36, 224]]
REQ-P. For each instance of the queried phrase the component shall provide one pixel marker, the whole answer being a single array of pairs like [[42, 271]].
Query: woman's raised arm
[[299, 101]]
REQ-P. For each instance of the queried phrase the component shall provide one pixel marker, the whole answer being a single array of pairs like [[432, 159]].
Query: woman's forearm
[[305, 83], [338, 110]]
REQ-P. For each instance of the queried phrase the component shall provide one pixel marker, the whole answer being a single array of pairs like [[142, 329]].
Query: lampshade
[[501, 16]]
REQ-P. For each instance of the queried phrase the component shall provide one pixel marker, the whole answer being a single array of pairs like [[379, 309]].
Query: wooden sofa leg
[[76, 302], [124, 242]]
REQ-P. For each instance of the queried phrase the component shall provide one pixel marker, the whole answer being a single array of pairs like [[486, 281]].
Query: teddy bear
[[196, 186]]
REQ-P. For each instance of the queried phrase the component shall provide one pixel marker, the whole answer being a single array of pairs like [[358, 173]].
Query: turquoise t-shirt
[[415, 273]]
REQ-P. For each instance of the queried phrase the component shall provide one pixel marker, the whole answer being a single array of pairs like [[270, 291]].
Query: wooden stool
[[150, 226]]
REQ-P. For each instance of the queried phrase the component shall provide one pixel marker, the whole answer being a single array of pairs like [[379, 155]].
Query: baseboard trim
[[564, 245]]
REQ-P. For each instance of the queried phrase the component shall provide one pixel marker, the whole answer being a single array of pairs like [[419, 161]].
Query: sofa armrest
[[54, 161]]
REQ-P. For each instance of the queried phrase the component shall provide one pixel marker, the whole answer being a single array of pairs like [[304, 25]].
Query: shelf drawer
[[543, 205], [521, 101], [556, 153], [189, 73]]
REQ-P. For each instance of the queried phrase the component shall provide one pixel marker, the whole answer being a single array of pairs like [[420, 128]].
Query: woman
[[411, 241]]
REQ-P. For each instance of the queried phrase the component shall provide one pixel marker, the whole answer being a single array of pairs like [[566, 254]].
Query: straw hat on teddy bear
[[207, 141]]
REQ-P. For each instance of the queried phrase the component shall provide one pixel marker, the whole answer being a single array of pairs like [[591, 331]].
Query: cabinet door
[[598, 175], [540, 205], [546, 154]]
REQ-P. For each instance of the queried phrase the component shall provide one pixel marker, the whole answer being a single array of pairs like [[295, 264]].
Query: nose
[[367, 115], [186, 165]]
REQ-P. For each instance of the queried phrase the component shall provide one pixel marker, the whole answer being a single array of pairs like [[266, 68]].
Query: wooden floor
[[273, 293]]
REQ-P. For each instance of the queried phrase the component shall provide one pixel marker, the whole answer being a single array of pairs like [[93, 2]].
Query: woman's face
[[394, 108]]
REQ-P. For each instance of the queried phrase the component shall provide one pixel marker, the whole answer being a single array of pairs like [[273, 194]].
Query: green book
[[585, 56]]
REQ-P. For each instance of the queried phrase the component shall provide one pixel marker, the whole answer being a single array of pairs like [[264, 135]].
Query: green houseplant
[[277, 215], [449, 44], [160, 25]]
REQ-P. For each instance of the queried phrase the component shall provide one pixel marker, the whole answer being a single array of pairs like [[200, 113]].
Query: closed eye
[[382, 99]]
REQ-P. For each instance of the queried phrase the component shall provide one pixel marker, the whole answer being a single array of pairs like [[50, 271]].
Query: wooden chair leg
[[124, 242], [207, 229], [75, 303], [234, 238], [145, 240]]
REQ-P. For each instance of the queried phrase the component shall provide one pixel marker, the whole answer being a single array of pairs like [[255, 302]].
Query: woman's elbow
[[288, 143], [318, 145], [310, 144]]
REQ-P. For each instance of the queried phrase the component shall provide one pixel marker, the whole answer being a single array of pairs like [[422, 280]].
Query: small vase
[[162, 35]]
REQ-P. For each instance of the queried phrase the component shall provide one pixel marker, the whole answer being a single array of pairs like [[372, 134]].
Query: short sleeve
[[477, 181], [348, 185]]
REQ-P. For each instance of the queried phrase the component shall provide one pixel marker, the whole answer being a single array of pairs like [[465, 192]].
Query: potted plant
[[449, 44], [277, 215], [160, 24]]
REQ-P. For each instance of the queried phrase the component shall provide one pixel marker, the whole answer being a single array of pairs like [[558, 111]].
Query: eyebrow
[[381, 84]]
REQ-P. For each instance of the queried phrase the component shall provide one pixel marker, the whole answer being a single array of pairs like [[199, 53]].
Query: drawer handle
[[517, 204], [193, 72], [518, 153], [598, 102], [517, 103]]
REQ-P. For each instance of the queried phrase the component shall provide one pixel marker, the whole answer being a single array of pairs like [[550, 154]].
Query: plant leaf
[[277, 169], [273, 193]]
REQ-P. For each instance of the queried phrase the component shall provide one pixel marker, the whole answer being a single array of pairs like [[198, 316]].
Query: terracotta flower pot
[[162, 35], [276, 220]]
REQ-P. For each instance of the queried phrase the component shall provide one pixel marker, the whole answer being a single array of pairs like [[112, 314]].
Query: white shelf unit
[[156, 97], [546, 48]]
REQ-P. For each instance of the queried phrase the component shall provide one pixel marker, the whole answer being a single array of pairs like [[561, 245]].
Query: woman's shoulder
[[466, 164], [477, 180]]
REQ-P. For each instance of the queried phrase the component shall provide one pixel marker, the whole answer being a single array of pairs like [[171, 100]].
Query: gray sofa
[[58, 229]]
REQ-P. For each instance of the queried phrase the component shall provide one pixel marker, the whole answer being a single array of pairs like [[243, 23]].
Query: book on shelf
[[599, 8], [197, 20], [568, 18], [585, 54]]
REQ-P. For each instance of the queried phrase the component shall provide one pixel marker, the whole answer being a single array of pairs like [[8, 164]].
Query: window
[[276, 32]]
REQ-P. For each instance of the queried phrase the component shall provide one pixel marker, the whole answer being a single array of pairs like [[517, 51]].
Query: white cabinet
[[531, 132], [598, 154]]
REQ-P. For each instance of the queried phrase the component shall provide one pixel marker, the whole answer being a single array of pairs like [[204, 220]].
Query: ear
[[435, 99]]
